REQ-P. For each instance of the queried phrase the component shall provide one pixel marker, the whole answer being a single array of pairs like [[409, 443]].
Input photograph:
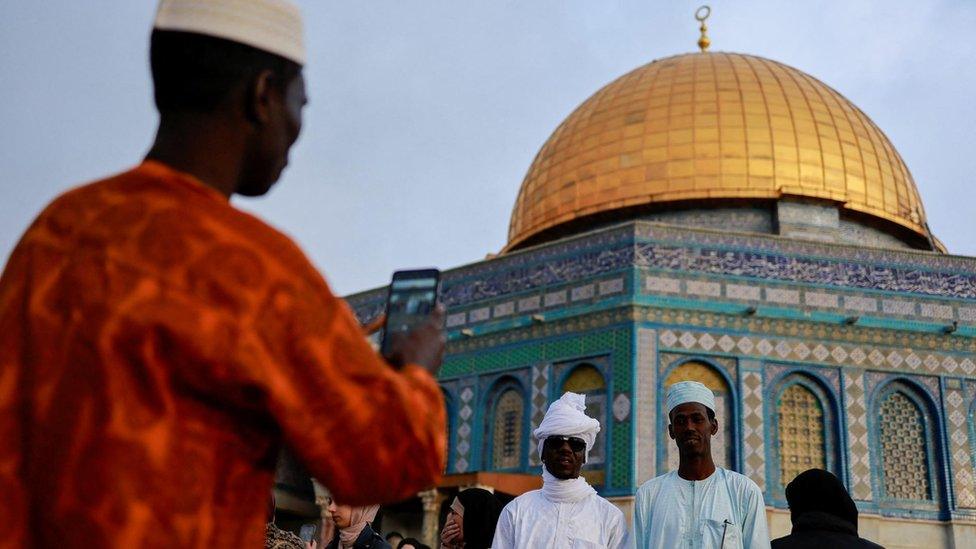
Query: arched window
[[722, 446], [801, 431], [905, 461], [588, 380], [507, 424]]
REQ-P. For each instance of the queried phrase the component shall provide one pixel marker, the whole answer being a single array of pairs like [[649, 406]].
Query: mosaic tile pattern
[[857, 435], [841, 354], [801, 433], [903, 455], [703, 251], [540, 401], [929, 384], [752, 427], [837, 301], [645, 456], [960, 449], [464, 430], [831, 375]]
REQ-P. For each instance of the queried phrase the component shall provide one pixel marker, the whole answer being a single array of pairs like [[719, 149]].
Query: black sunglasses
[[576, 444]]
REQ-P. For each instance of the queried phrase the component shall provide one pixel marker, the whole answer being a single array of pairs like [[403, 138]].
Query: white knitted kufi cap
[[683, 392], [274, 26]]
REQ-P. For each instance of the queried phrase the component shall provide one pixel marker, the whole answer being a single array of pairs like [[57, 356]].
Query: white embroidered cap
[[274, 26], [683, 392]]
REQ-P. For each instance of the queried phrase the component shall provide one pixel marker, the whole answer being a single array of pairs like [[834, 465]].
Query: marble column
[[431, 500]]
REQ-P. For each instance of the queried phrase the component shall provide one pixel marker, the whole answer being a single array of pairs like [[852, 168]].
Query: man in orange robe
[[159, 346]]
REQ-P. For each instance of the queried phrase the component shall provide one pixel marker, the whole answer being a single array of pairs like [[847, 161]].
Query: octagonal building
[[728, 219]]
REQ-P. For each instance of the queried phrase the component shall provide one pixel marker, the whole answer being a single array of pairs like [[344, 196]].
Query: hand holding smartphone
[[413, 332]]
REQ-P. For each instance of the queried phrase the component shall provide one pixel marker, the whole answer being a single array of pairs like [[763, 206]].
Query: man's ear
[[714, 422], [258, 98], [671, 431]]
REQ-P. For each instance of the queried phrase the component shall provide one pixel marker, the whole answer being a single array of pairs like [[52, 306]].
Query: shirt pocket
[[580, 543], [721, 534]]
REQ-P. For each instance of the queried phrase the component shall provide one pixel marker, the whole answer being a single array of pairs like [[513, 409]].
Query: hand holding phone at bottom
[[423, 345]]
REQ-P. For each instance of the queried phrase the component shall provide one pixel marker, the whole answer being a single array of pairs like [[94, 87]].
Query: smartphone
[[307, 532], [412, 297]]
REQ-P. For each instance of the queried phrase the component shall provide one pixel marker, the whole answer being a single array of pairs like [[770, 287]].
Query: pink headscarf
[[359, 517]]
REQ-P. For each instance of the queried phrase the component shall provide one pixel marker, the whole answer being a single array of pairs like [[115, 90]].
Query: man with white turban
[[566, 512], [699, 506]]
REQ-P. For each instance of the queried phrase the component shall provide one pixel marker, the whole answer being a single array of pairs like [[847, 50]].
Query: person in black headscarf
[[411, 543], [823, 514], [471, 520]]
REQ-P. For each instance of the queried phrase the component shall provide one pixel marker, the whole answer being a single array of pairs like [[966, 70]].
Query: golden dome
[[707, 126]]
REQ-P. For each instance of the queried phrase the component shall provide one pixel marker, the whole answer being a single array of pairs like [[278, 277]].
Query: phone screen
[[307, 532], [412, 297]]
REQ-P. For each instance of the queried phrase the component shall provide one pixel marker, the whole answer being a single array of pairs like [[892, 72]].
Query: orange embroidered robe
[[157, 347]]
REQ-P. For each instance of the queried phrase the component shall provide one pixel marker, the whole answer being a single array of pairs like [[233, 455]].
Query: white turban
[[566, 417], [683, 392]]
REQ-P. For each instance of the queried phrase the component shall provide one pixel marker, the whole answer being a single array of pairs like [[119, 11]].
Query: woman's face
[[453, 517], [341, 514]]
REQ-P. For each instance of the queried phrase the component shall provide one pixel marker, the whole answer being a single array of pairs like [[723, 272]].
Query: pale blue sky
[[425, 115]]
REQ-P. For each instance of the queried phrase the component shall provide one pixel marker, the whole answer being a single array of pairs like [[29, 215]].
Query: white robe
[[673, 513], [531, 521]]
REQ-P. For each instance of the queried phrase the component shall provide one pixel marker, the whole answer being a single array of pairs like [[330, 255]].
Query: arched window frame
[[734, 414], [936, 507], [498, 389], [833, 456], [605, 423]]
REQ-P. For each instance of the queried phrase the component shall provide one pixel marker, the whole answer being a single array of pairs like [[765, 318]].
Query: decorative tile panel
[[741, 291], [685, 249], [822, 299], [703, 288], [540, 400], [857, 435], [898, 307], [479, 315], [936, 311], [582, 292], [456, 319], [462, 457], [957, 427], [555, 298], [529, 304], [752, 427], [864, 304], [504, 309], [621, 407], [646, 406], [610, 287], [967, 314], [827, 352], [662, 285], [782, 295]]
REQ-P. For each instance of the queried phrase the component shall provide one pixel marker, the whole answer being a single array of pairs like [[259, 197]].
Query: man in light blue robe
[[699, 506]]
